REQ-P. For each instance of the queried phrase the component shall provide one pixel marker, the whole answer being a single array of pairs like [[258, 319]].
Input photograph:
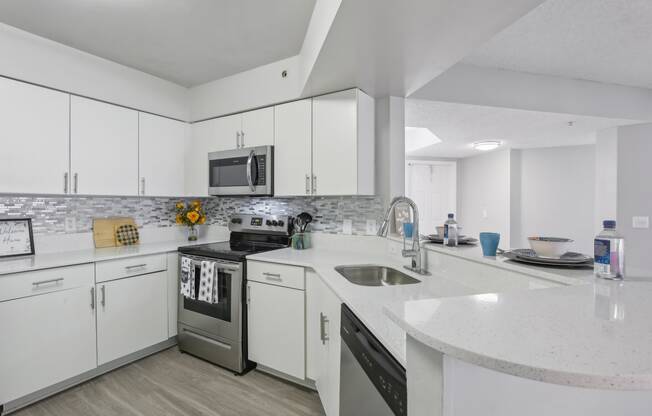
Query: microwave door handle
[[250, 159]]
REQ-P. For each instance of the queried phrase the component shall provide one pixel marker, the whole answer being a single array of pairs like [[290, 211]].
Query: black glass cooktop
[[237, 248]]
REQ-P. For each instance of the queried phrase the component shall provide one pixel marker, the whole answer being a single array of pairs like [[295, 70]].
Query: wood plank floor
[[171, 383]]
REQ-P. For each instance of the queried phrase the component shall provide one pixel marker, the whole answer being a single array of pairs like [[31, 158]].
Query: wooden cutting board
[[104, 230]]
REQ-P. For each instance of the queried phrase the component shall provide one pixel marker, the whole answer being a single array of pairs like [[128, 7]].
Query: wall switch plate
[[372, 227], [641, 222], [70, 224], [347, 227], [485, 214]]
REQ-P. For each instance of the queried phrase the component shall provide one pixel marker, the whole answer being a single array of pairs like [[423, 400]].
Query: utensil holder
[[301, 241]]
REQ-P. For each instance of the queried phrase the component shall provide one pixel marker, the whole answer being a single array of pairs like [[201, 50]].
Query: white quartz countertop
[[70, 258], [596, 335], [367, 302]]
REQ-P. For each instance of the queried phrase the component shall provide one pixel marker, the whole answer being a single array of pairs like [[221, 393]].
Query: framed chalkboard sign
[[16, 237]]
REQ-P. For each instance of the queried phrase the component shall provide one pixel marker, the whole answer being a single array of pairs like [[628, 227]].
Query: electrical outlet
[[347, 227], [372, 227], [641, 222], [70, 224], [485, 214]]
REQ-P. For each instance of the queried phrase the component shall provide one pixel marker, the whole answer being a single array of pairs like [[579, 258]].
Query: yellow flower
[[180, 205], [202, 220], [193, 216], [179, 219], [196, 204]]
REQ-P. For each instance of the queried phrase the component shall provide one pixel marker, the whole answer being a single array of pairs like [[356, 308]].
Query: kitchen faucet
[[415, 252]]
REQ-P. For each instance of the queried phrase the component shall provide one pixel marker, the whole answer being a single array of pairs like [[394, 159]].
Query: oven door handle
[[234, 267], [250, 160]]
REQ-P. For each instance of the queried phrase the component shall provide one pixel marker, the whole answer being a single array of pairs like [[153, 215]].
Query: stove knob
[[274, 223], [281, 223], [268, 222]]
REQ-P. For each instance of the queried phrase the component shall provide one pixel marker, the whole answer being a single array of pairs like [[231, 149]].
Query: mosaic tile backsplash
[[49, 213]]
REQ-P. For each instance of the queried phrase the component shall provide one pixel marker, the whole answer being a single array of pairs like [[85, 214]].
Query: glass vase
[[192, 233]]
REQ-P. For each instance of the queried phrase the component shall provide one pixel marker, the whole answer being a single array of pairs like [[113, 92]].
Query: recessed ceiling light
[[487, 145], [419, 137]]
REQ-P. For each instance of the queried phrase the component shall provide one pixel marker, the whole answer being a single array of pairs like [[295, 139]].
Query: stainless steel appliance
[[246, 171], [217, 331], [372, 383]]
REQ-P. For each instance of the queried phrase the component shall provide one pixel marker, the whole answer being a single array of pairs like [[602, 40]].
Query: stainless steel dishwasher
[[373, 383]]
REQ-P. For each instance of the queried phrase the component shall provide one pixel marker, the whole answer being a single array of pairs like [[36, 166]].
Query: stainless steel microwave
[[247, 171]]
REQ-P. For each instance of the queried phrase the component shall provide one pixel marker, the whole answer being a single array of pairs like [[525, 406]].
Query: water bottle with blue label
[[450, 231], [609, 252]]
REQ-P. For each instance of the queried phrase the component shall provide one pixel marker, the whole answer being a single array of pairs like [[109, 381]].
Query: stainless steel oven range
[[217, 331]]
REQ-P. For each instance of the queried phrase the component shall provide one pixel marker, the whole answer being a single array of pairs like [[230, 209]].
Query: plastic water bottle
[[609, 253], [450, 231]]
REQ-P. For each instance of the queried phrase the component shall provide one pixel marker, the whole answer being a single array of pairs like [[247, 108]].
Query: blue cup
[[407, 229], [489, 243]]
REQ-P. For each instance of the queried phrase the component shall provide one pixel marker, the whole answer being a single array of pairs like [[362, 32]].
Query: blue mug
[[489, 243], [407, 229]]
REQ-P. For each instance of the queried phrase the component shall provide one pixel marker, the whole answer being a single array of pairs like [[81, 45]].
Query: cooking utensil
[[306, 219]]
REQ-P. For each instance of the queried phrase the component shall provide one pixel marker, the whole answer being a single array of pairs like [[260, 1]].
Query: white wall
[[555, 195], [606, 177], [390, 147], [635, 195], [31, 58], [484, 187]]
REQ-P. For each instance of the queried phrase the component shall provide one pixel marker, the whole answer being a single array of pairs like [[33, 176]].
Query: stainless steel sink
[[370, 275]]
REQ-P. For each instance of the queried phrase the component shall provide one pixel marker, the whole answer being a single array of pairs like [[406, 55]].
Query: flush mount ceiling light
[[486, 145], [419, 137]]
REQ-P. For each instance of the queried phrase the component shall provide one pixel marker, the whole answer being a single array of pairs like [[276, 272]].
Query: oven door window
[[233, 171], [220, 310]]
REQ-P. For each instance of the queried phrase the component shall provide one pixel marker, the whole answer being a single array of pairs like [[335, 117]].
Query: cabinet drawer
[[276, 274], [26, 284], [132, 266]]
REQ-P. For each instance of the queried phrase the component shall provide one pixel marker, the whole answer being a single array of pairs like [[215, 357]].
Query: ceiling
[[606, 40], [188, 42], [459, 125]]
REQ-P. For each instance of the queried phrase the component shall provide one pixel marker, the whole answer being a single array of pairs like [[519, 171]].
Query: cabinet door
[[131, 315], [276, 328], [103, 148], [46, 339], [293, 148], [335, 143], [258, 127], [34, 131], [161, 148]]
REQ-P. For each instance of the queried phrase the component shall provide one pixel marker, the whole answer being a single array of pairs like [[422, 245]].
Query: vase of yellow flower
[[191, 215]]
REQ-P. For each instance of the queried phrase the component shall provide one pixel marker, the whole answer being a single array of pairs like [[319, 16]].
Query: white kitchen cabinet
[[293, 148], [276, 328], [257, 128], [208, 136], [173, 292], [47, 327], [161, 147], [323, 341], [103, 148], [34, 131], [343, 143], [131, 315]]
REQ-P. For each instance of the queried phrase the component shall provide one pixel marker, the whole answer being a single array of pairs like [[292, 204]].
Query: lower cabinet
[[48, 329], [276, 328], [323, 341], [131, 315]]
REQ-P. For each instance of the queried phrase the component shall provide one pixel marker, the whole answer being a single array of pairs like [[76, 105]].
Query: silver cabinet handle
[[65, 183], [45, 282], [75, 178], [237, 139], [136, 266], [314, 184], [323, 320], [103, 291], [250, 159], [142, 186], [273, 276], [242, 143], [307, 184], [248, 295], [93, 297]]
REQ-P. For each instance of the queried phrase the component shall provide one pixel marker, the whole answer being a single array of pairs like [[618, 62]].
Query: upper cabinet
[[257, 128], [161, 148], [34, 130], [103, 148], [293, 148], [343, 143]]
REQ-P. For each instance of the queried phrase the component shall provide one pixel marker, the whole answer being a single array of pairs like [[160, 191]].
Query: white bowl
[[554, 247]]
